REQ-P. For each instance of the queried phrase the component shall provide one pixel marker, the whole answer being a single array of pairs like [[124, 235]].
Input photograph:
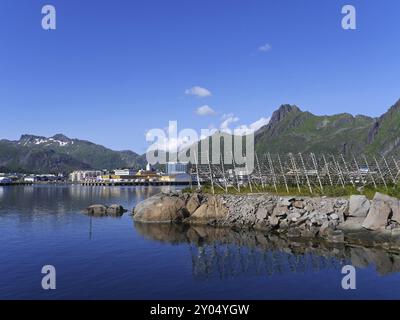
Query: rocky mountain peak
[[61, 137], [282, 112]]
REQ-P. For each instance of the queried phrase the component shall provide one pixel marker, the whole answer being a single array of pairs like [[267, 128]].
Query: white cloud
[[246, 129], [265, 48], [205, 110], [198, 92], [228, 120]]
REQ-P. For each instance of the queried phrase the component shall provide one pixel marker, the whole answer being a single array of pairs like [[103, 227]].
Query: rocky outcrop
[[99, 210], [333, 219], [162, 208], [207, 213]]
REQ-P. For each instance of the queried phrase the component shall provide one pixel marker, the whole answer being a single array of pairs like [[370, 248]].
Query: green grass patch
[[329, 191]]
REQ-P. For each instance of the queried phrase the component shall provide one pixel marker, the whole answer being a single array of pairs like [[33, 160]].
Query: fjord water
[[113, 258]]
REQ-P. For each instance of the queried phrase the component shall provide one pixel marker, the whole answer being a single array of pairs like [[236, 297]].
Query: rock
[[115, 210], [273, 220], [378, 215], [334, 216], [392, 202], [97, 210], [208, 212], [193, 203], [359, 206], [161, 208], [298, 204], [309, 208], [326, 208], [262, 213], [352, 224], [280, 211], [294, 216], [285, 201]]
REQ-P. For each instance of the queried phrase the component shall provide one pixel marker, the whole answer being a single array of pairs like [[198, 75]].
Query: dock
[[133, 183]]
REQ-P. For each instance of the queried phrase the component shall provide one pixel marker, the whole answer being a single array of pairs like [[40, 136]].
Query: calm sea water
[[112, 258]]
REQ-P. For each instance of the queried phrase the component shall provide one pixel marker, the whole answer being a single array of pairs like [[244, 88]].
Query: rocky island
[[355, 220]]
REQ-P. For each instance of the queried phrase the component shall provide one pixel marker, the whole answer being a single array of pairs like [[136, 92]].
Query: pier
[[134, 183], [16, 183]]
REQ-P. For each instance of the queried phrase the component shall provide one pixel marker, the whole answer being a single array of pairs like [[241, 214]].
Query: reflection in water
[[227, 253]]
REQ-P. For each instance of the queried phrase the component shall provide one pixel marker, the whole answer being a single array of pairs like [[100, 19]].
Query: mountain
[[384, 135], [293, 130], [61, 154]]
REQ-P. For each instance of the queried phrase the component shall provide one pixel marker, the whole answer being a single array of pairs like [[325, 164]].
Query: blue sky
[[114, 69]]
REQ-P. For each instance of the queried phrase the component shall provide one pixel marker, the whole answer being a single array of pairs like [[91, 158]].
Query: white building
[[79, 176], [5, 180], [124, 172]]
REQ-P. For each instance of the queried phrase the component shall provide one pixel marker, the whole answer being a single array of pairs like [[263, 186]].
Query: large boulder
[[359, 206], [393, 203], [378, 215], [211, 211], [352, 224], [161, 208]]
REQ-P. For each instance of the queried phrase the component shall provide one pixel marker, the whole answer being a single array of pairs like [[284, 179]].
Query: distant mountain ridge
[[289, 130], [59, 153]]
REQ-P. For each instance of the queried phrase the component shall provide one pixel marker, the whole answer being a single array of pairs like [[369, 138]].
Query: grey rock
[[115, 210], [298, 204], [359, 206], [274, 220], [378, 215], [334, 216], [392, 202], [294, 216], [352, 224], [97, 210]]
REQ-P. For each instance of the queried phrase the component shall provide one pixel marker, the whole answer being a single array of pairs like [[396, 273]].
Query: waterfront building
[[5, 180], [124, 172], [177, 167], [183, 178], [30, 179], [81, 175]]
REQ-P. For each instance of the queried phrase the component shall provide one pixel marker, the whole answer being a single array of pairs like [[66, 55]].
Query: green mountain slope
[[292, 130], [62, 154]]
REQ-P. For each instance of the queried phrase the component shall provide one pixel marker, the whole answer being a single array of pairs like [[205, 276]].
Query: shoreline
[[354, 220]]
